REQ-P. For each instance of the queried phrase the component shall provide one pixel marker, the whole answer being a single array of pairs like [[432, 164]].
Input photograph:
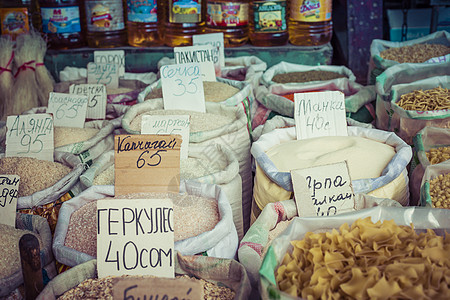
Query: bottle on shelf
[[183, 19], [310, 22], [268, 26], [144, 23], [19, 16], [61, 23], [229, 17], [105, 23]]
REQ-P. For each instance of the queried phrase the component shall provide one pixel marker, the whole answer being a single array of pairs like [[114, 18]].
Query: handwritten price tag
[[320, 114], [30, 136], [161, 288], [107, 74], [182, 87], [204, 55], [215, 40], [135, 237], [146, 163], [68, 110], [96, 93], [111, 57], [330, 190], [9, 191]]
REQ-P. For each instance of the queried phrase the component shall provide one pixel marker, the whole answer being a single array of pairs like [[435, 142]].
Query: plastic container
[[229, 17], [144, 23], [310, 22], [183, 19], [18, 16], [61, 23], [268, 26], [105, 23]]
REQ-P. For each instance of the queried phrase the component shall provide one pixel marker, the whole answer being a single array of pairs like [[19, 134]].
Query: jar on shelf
[[144, 23], [268, 26], [19, 16]]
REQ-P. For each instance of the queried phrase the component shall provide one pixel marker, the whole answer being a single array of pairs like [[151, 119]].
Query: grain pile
[[213, 91], [106, 177], [307, 76], [9, 243], [367, 261], [192, 168], [440, 191], [426, 100], [199, 121], [102, 289], [69, 135], [418, 53], [35, 175], [438, 155], [119, 90]]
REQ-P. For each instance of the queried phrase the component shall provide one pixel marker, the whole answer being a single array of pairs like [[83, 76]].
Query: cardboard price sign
[[135, 237], [203, 54], [9, 191], [146, 163], [30, 136], [107, 74], [68, 110], [111, 57], [173, 124], [157, 288], [320, 114], [330, 190], [96, 93], [182, 87]]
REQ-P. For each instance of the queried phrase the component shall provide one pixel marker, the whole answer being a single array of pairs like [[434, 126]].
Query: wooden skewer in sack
[[43, 78], [6, 75]]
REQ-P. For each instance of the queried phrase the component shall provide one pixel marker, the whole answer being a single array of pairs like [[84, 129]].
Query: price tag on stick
[[30, 136], [320, 114], [107, 74], [330, 190], [9, 191], [182, 87], [96, 93], [146, 163], [135, 237], [68, 110]]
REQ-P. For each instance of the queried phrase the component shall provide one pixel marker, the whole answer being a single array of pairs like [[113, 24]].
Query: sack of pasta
[[11, 275], [431, 146], [434, 189], [375, 253], [432, 49], [280, 82], [209, 230], [400, 74], [221, 279]]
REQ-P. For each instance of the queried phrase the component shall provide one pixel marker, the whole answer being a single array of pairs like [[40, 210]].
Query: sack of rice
[[10, 266], [431, 146], [273, 220], [377, 162], [396, 75], [375, 253], [432, 49], [224, 125], [435, 186], [221, 279], [210, 230]]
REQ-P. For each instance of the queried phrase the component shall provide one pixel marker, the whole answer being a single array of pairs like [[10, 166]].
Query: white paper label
[[9, 190], [30, 136], [68, 110], [320, 114], [107, 74], [182, 87], [215, 40], [96, 93], [171, 124], [135, 237], [330, 189], [204, 55], [111, 57]]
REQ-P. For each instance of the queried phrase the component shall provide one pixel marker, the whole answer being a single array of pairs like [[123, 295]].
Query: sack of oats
[[419, 104], [396, 75], [10, 267], [432, 49], [377, 162], [221, 279], [300, 265], [224, 125], [210, 229], [280, 82]]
